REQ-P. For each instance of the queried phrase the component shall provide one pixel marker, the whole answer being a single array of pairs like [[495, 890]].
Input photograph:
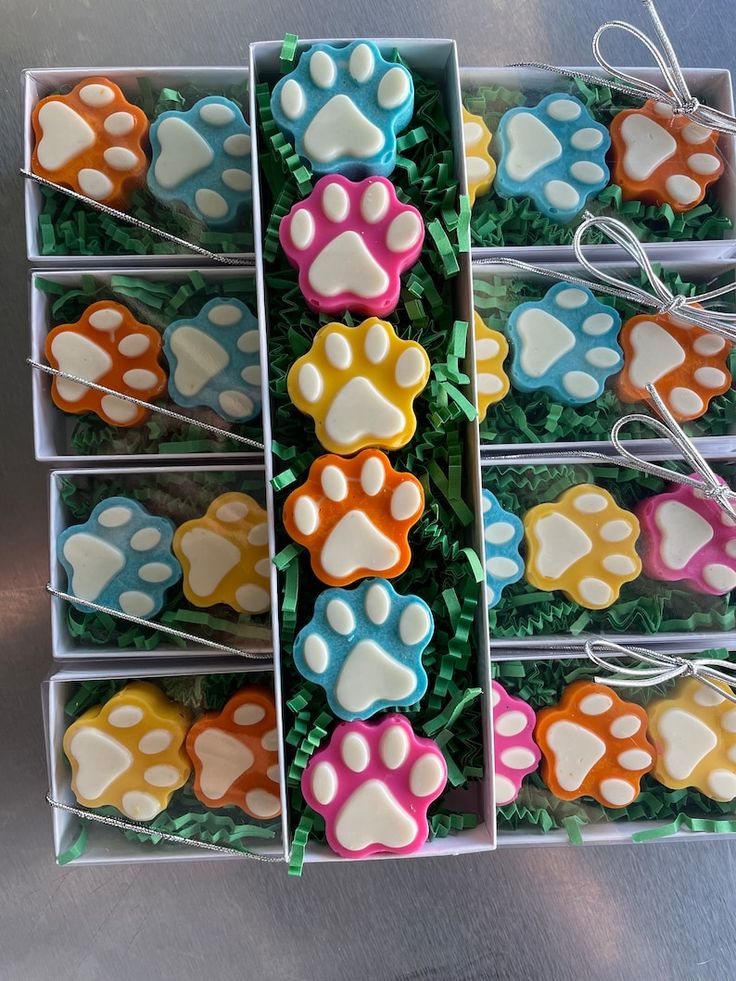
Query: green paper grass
[[498, 221], [179, 497], [535, 417], [69, 228], [444, 573], [158, 303], [541, 683], [185, 816], [645, 606]]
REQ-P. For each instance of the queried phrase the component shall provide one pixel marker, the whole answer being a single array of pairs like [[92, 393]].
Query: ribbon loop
[[676, 93], [661, 668]]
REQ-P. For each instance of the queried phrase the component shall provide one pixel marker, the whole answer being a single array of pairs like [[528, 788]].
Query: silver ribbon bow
[[677, 95], [663, 668], [660, 298], [707, 484]]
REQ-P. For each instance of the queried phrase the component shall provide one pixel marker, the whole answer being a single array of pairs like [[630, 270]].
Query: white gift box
[[603, 832], [105, 844], [692, 270], [712, 85], [63, 646], [40, 82], [683, 641], [52, 427], [437, 60]]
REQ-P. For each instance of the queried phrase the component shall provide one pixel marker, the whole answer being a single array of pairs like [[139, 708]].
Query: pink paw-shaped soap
[[373, 784], [350, 242], [688, 538], [514, 750]]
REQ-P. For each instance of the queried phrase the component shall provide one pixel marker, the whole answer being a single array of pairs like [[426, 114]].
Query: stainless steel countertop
[[657, 912]]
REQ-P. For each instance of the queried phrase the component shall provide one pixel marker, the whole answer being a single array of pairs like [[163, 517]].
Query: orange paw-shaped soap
[[359, 385], [594, 744], [491, 349], [660, 158], [91, 141], [583, 544], [224, 555], [694, 731], [129, 752], [235, 755], [108, 346], [354, 517], [688, 364], [480, 166]]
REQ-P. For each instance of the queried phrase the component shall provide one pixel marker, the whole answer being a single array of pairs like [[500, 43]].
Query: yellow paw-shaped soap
[[583, 544], [359, 385], [694, 731], [224, 555], [492, 382], [129, 753], [480, 166]]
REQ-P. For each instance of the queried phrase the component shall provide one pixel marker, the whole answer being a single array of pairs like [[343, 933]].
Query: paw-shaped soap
[[120, 558], [342, 109], [491, 349], [354, 516], [687, 364], [201, 161], [109, 347], [91, 141], [224, 555], [564, 344], [364, 647], [583, 544], [480, 167], [594, 744], [688, 538], [235, 755], [373, 784], [660, 158], [694, 731], [502, 535], [515, 754], [555, 154], [214, 360], [129, 752], [359, 385], [351, 242]]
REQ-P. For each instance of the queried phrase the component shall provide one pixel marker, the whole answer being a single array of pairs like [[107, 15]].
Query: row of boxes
[[700, 261]]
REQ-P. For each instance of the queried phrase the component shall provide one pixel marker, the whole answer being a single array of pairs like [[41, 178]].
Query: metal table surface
[[656, 911]]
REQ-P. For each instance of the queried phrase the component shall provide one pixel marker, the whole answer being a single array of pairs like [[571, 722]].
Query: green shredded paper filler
[[186, 816], [442, 572], [67, 227], [541, 683], [535, 417], [158, 302], [645, 606], [498, 221], [179, 497]]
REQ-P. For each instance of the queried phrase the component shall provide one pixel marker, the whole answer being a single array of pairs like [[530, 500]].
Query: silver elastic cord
[[153, 833], [177, 416], [153, 625], [130, 220]]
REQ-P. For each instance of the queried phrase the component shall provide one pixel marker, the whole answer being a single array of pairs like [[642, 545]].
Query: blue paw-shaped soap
[[364, 646], [565, 344], [120, 558], [214, 360], [201, 160], [342, 109], [555, 154], [502, 535]]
